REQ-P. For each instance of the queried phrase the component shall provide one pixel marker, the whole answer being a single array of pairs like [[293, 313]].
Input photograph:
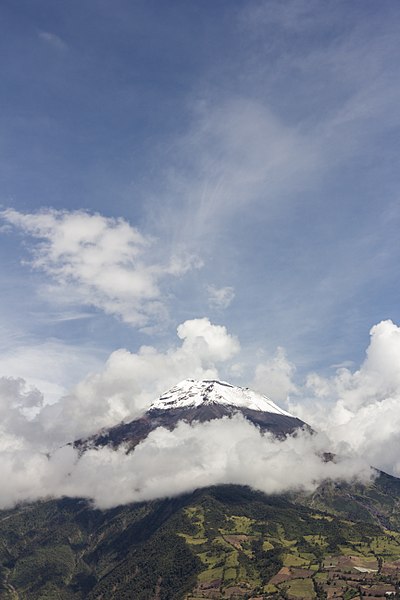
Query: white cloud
[[17, 399], [361, 410], [274, 377], [220, 298], [210, 342], [101, 262], [169, 463], [53, 40]]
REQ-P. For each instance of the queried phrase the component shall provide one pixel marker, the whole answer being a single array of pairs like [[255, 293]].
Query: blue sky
[[241, 160]]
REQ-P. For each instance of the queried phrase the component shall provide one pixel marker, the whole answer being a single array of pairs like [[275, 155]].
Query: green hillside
[[223, 542]]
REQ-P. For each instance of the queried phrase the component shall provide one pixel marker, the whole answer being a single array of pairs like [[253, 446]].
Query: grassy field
[[301, 588]]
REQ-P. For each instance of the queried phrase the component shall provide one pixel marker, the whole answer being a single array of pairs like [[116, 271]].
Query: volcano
[[198, 401]]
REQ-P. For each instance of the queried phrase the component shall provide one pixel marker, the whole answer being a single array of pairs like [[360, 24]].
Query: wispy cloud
[[263, 192], [220, 298], [237, 153], [53, 40]]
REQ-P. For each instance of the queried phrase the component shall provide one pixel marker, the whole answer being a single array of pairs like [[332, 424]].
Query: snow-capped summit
[[190, 393]]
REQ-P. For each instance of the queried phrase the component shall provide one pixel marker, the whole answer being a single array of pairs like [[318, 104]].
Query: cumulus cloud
[[360, 410], [129, 382], [274, 377], [100, 262], [220, 297], [208, 341]]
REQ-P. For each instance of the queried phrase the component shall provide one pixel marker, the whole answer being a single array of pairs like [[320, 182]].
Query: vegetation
[[223, 542]]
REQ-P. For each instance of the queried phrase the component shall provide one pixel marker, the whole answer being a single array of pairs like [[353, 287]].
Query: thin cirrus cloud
[[100, 262], [220, 297], [237, 152], [242, 148], [53, 40]]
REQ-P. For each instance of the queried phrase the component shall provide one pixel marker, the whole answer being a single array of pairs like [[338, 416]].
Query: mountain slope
[[222, 542]]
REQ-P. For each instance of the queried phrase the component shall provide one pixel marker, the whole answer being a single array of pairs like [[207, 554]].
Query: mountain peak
[[193, 401], [191, 393]]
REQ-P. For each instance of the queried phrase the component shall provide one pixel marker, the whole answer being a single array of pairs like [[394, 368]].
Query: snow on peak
[[191, 393]]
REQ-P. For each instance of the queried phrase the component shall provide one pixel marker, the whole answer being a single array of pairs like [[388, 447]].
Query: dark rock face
[[137, 430]]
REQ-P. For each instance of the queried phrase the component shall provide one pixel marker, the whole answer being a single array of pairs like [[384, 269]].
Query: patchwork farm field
[[294, 556]]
